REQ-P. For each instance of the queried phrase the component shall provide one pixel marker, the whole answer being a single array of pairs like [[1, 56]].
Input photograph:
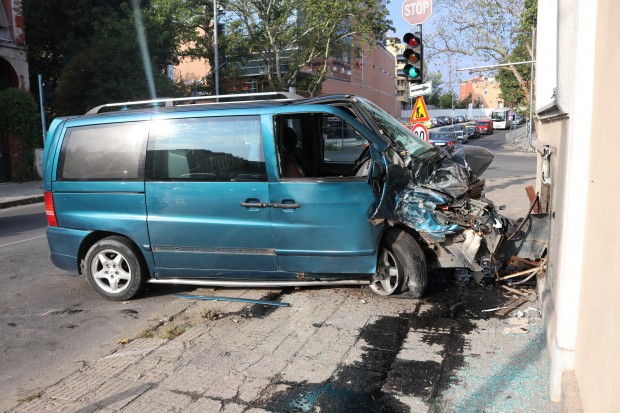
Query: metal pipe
[[529, 130], [43, 128]]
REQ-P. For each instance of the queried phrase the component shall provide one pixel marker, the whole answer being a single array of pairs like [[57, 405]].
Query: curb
[[108, 347], [21, 201]]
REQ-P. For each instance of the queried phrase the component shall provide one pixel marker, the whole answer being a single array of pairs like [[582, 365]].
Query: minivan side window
[[215, 149], [107, 152]]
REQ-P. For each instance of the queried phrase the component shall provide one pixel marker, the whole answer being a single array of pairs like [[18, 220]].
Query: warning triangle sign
[[419, 112]]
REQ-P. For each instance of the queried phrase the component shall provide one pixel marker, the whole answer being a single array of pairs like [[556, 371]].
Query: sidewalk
[[16, 194], [332, 350]]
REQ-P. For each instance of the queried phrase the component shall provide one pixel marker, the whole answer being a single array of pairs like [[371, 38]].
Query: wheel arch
[[427, 247], [97, 236]]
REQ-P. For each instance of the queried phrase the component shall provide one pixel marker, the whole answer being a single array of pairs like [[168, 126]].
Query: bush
[[18, 116]]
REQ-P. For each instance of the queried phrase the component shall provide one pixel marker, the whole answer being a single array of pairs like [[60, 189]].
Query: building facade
[[396, 47], [371, 75], [13, 74], [13, 57], [579, 183], [483, 91]]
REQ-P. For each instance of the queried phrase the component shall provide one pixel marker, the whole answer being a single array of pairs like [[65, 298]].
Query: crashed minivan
[[279, 191]]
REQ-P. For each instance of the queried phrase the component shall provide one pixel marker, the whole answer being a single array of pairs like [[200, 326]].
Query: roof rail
[[170, 102]]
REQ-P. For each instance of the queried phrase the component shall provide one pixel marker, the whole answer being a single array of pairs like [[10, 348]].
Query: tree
[[288, 35], [88, 49], [437, 81], [514, 93], [487, 30], [18, 112], [448, 100]]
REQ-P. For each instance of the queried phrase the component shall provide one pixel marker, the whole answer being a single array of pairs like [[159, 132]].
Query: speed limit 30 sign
[[420, 131]]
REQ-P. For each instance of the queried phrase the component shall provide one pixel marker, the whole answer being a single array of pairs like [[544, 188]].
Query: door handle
[[286, 206], [254, 204]]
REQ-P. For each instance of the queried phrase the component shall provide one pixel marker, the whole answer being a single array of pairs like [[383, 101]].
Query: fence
[[518, 134]]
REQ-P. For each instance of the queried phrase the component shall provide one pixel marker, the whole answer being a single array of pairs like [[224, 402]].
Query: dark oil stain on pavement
[[371, 384]]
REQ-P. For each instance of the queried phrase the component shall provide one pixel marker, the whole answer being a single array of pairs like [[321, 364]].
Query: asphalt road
[[48, 317], [507, 162]]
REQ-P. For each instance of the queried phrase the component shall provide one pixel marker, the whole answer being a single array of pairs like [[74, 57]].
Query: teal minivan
[[271, 192]]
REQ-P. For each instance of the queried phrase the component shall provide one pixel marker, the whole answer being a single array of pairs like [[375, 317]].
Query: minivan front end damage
[[441, 198]]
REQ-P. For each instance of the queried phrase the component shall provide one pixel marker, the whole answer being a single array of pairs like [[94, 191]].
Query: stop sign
[[417, 11]]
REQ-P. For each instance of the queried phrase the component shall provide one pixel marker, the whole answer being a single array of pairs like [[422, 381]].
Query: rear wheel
[[401, 266], [115, 269]]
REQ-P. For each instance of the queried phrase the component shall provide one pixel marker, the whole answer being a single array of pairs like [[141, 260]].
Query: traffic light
[[414, 57]]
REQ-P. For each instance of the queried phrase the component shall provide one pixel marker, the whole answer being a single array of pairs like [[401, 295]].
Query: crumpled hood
[[413, 195]]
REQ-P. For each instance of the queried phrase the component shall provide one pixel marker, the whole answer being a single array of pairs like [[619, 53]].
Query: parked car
[[434, 122], [245, 194], [443, 139], [485, 127], [458, 131], [471, 132], [444, 120]]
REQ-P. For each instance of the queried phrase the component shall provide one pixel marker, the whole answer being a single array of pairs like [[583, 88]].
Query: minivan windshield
[[398, 132]]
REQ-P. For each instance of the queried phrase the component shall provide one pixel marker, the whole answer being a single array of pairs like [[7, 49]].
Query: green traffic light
[[410, 72]]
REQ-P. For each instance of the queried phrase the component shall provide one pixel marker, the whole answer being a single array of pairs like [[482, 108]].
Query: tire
[[115, 269], [401, 266]]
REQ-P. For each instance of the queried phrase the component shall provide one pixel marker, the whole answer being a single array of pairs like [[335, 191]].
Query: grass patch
[[30, 397], [210, 313], [172, 330], [147, 332]]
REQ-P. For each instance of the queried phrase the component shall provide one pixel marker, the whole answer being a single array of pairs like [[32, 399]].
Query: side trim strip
[[215, 283]]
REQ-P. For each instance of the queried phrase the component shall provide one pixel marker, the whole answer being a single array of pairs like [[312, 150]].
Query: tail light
[[50, 212]]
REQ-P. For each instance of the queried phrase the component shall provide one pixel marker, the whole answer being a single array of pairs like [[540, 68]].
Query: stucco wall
[[581, 309], [597, 361]]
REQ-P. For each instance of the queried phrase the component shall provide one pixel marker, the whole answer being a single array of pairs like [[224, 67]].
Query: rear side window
[[103, 152], [215, 149]]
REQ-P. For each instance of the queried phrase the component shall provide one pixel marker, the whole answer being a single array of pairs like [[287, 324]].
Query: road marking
[[19, 242]]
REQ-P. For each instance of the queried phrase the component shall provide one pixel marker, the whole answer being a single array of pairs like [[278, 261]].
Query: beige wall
[[597, 354], [580, 293]]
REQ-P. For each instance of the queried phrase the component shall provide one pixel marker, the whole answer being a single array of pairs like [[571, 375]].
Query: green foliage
[[88, 54], [446, 100], [435, 78], [18, 112], [18, 116], [515, 83], [289, 36]]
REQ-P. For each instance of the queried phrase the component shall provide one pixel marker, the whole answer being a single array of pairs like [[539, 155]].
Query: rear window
[[103, 152], [215, 149]]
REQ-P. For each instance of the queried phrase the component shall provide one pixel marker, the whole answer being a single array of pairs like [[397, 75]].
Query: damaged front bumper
[[442, 199]]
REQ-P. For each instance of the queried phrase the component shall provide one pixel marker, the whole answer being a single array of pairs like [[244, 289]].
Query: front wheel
[[114, 269], [401, 266]]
